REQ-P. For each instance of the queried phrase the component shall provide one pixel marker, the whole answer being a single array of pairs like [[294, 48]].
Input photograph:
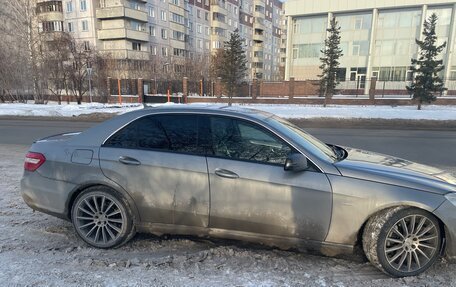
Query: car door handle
[[225, 173], [129, 160]]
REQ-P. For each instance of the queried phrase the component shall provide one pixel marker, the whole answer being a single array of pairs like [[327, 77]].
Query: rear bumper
[[46, 195], [447, 213]]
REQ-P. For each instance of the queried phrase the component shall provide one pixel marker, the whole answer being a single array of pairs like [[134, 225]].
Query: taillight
[[33, 160]]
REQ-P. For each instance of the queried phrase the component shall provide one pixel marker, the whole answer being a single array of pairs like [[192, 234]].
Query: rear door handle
[[129, 160], [225, 173]]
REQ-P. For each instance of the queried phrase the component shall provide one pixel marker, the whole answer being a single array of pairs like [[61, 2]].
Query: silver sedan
[[241, 174]]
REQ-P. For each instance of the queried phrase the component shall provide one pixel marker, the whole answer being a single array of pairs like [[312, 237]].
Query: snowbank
[[431, 112]]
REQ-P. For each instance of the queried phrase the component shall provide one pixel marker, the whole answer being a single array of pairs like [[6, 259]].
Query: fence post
[[120, 91], [185, 88], [254, 89], [218, 87], [372, 87], [140, 91], [291, 88], [109, 89]]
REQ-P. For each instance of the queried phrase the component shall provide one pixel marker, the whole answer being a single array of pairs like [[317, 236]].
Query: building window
[[175, 2], [135, 6], [163, 15], [70, 27], [83, 5], [153, 50], [198, 13], [152, 30], [86, 45], [199, 28], [151, 12], [136, 46], [136, 26], [358, 23], [164, 34], [164, 51], [85, 25], [69, 6], [206, 15]]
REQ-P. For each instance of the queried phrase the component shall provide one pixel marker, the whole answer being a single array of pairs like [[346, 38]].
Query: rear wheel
[[102, 218], [402, 241]]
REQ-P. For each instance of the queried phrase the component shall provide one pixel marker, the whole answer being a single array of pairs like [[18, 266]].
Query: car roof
[[219, 109]]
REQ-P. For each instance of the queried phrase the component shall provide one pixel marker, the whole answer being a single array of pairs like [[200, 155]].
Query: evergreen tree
[[232, 64], [330, 61], [426, 68]]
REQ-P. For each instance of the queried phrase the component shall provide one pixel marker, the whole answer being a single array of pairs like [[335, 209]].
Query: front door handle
[[129, 160], [225, 173]]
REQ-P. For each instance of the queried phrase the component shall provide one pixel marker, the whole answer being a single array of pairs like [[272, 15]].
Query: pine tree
[[232, 66], [426, 68], [330, 61]]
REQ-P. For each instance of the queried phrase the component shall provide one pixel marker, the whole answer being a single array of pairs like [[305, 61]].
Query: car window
[[163, 132], [237, 139]]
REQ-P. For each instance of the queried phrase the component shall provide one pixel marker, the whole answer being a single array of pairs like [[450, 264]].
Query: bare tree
[[82, 56], [22, 30], [56, 59]]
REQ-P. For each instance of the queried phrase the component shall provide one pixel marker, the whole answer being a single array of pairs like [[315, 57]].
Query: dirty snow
[[431, 112], [40, 250]]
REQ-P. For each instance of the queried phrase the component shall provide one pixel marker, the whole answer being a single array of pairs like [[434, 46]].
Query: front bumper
[[46, 195], [447, 214]]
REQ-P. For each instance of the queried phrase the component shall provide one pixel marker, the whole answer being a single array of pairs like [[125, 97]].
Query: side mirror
[[296, 162]]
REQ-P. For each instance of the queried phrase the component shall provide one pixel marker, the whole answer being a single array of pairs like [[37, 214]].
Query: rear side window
[[177, 133]]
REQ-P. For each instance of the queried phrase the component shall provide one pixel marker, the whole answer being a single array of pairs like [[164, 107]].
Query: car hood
[[396, 171]]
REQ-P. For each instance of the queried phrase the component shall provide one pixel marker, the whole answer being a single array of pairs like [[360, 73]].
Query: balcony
[[123, 33], [258, 37], [258, 25], [258, 48], [51, 16], [121, 12], [218, 9]]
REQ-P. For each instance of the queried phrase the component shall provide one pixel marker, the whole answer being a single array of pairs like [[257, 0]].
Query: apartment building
[[171, 31], [377, 38]]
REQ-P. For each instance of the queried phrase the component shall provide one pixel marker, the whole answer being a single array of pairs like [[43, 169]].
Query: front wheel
[[402, 241], [101, 218]]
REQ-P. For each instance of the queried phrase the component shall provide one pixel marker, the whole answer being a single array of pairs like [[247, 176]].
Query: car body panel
[[266, 199], [168, 188], [396, 171], [355, 200]]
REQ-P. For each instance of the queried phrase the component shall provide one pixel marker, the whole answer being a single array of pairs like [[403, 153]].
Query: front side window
[[178, 133], [241, 140]]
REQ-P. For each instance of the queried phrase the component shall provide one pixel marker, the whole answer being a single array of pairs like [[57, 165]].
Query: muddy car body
[[241, 174]]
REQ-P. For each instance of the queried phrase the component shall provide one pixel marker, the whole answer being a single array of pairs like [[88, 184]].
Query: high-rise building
[[377, 38], [171, 31]]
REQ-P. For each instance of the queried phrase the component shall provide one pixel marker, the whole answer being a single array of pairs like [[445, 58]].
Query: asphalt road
[[437, 148]]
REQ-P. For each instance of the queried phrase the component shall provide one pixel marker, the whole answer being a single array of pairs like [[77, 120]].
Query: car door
[[251, 191], [158, 161]]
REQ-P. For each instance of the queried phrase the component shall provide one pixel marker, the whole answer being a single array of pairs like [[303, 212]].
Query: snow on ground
[[431, 112], [40, 250]]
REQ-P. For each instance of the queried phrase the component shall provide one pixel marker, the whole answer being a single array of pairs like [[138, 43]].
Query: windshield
[[313, 144]]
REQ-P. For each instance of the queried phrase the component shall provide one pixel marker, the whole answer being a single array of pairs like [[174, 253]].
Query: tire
[[102, 218], [402, 241]]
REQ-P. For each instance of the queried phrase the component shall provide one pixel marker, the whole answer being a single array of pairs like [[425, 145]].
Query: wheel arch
[[119, 190], [442, 226]]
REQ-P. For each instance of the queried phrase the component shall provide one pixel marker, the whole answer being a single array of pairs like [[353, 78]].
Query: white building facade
[[170, 31], [377, 38]]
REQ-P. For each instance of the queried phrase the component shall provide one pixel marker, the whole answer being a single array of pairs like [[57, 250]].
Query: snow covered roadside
[[431, 112], [40, 250]]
